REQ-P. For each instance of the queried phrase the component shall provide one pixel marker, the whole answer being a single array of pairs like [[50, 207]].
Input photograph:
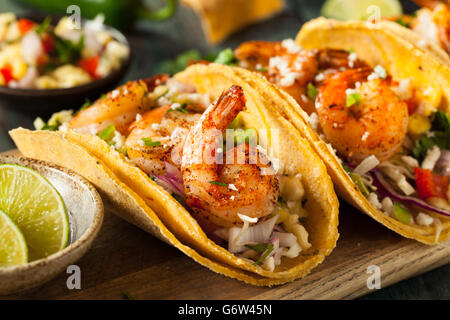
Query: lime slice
[[360, 9], [13, 248], [37, 209]]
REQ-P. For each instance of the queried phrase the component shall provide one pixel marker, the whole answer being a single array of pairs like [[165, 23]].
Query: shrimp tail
[[228, 106]]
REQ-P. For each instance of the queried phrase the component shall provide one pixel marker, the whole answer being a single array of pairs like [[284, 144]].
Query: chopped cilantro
[[44, 25], [179, 198], [126, 295], [264, 256], [180, 109], [150, 143], [87, 103], [440, 126], [67, 51], [260, 248], [180, 62], [226, 57], [402, 22], [107, 133], [218, 183]]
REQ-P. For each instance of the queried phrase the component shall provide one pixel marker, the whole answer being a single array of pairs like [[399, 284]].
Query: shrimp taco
[[427, 28], [376, 109], [215, 169]]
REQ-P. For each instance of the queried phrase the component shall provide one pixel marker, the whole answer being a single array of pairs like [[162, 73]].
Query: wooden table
[[125, 259]]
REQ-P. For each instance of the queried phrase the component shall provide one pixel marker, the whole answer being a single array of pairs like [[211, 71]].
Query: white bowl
[[85, 209]]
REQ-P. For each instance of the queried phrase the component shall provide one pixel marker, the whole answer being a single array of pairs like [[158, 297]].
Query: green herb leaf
[[441, 122], [260, 248], [178, 198], [180, 62], [44, 25], [264, 256], [402, 22], [226, 57], [180, 109], [152, 177], [126, 295], [311, 91], [353, 99], [107, 133], [150, 143], [263, 69], [440, 126], [87, 103], [218, 183], [67, 51]]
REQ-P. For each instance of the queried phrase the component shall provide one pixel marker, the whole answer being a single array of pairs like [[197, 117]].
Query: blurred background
[[159, 42]]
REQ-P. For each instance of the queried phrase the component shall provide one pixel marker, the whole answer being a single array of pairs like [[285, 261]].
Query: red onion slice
[[384, 187]]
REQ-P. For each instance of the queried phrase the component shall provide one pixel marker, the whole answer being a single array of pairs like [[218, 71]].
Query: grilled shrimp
[[433, 23], [167, 131], [217, 192], [119, 107], [290, 67], [376, 125]]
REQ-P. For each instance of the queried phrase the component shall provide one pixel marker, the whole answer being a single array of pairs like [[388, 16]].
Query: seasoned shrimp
[[167, 131], [218, 192], [375, 126], [290, 67], [119, 107], [287, 66], [433, 23]]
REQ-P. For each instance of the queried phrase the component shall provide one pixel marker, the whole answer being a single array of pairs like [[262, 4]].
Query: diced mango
[[431, 98], [418, 124], [19, 68]]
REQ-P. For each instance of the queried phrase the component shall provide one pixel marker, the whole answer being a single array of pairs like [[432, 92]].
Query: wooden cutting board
[[124, 259]]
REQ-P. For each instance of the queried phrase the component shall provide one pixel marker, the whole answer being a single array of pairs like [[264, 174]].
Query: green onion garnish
[[401, 213], [150, 143], [311, 91], [353, 99], [107, 133]]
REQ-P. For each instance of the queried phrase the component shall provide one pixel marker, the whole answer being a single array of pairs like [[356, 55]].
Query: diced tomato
[[6, 72], [412, 106], [47, 42], [90, 65], [25, 25], [429, 184]]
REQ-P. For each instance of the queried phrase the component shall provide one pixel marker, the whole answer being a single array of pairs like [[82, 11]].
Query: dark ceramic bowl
[[45, 101]]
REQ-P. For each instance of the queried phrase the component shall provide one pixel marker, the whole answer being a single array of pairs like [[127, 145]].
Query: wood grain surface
[[124, 259]]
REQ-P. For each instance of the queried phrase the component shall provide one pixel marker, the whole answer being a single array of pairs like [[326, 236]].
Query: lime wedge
[[360, 9], [36, 208], [13, 248]]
